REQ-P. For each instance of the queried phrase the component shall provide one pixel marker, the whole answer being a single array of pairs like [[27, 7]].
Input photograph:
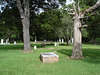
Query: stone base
[[49, 57]]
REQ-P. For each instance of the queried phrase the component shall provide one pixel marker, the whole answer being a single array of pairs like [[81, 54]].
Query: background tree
[[44, 25], [10, 27]]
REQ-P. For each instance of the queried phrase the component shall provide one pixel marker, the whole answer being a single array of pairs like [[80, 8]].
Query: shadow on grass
[[90, 55], [20, 47], [11, 47], [39, 45]]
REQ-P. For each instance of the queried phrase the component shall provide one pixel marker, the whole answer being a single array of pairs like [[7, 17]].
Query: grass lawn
[[13, 62]]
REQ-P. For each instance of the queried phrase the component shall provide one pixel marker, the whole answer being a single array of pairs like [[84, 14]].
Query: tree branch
[[71, 13], [89, 25], [18, 2], [84, 26], [74, 7], [93, 7], [79, 6]]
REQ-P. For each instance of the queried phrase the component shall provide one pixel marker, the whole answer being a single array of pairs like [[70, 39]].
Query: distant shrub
[[97, 40]]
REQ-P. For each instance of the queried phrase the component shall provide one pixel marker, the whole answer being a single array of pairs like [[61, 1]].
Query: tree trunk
[[25, 18], [7, 40], [77, 44], [59, 39], [26, 35], [35, 39], [78, 15]]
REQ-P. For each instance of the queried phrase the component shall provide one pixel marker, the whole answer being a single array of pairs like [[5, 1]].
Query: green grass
[[13, 62]]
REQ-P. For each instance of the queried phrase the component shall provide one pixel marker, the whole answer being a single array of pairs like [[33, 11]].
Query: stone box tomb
[[49, 57]]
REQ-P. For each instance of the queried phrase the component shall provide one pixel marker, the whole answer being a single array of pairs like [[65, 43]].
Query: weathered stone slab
[[49, 57]]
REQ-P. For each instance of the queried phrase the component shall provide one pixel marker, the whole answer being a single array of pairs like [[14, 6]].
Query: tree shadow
[[90, 55], [11, 47], [40, 45]]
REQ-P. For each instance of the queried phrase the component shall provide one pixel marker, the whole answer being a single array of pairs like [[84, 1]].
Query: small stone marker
[[1, 41], [49, 57], [35, 47], [14, 42], [62, 40], [72, 40], [56, 44], [59, 40]]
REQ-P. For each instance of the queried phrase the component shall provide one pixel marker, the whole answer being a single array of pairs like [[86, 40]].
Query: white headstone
[[35, 40], [35, 47], [72, 40], [55, 44], [1, 41], [59, 40], [62, 40], [14, 42], [45, 40]]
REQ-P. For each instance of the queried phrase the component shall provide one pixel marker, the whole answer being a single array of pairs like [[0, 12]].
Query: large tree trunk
[[78, 15], [77, 44], [26, 35], [25, 18]]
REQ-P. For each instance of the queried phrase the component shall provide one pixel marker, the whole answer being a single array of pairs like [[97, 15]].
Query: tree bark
[[25, 18], [26, 35], [77, 44], [7, 40]]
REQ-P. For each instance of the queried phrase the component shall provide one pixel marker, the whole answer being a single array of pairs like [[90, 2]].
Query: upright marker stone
[[55, 44], [59, 40], [62, 40], [35, 47], [72, 40], [1, 41], [14, 42]]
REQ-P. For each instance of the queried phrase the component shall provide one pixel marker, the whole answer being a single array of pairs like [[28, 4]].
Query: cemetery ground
[[14, 62]]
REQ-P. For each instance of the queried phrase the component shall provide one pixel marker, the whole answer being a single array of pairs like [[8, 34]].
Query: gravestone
[[49, 57], [1, 41], [56, 44], [59, 40], [62, 40], [72, 40], [14, 42], [35, 47]]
